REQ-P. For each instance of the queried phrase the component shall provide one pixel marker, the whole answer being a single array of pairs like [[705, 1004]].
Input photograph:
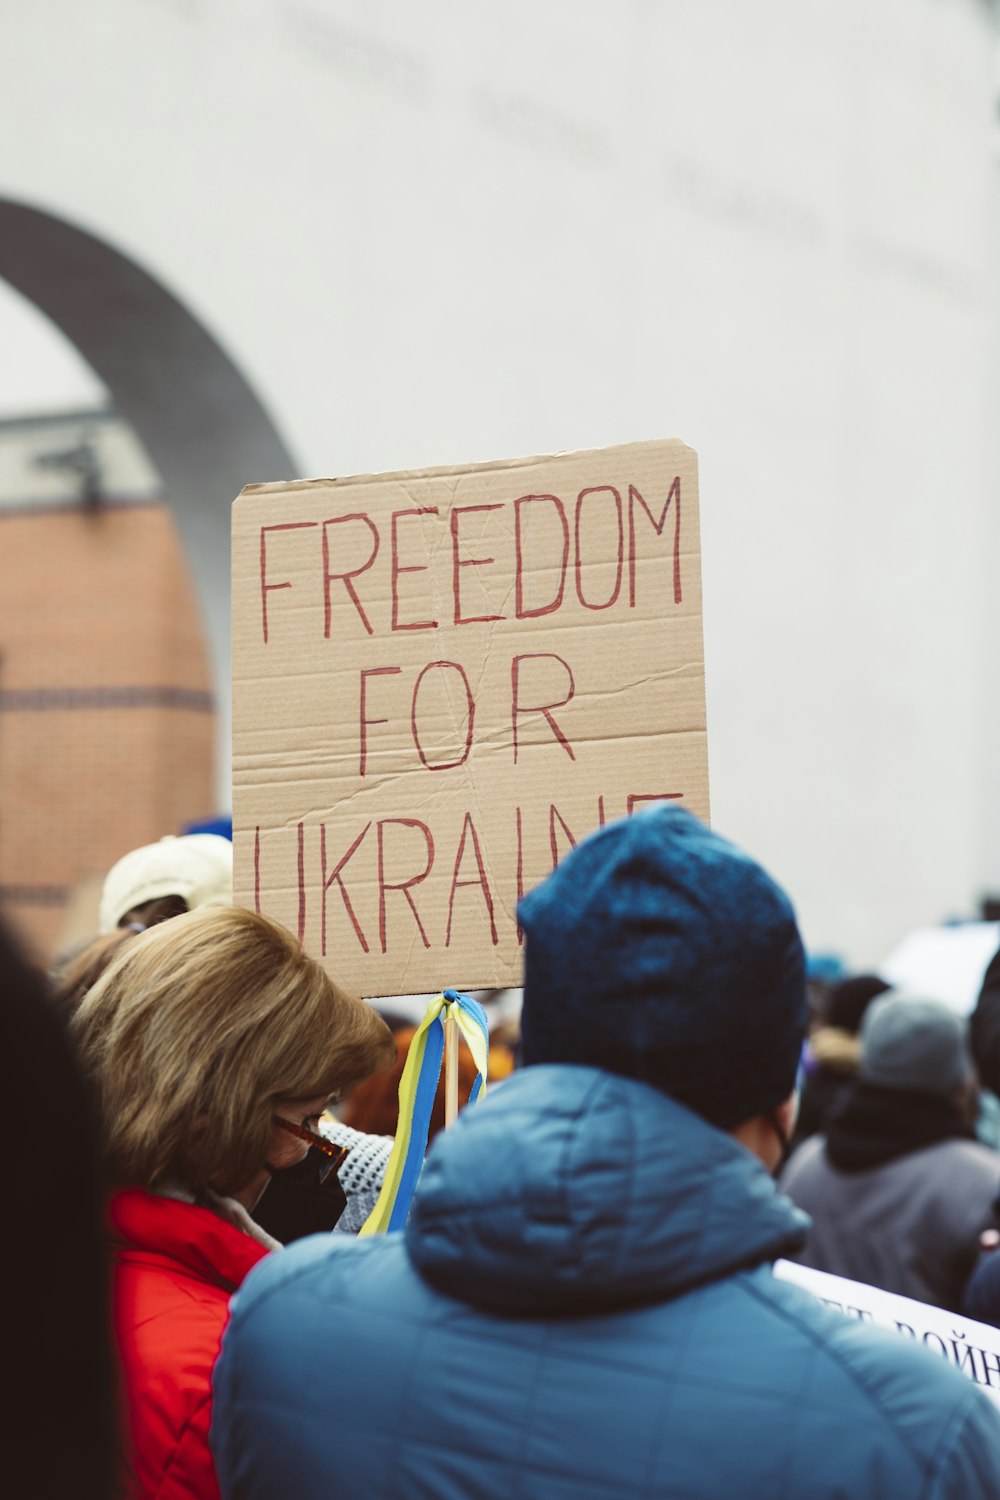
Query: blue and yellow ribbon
[[417, 1090]]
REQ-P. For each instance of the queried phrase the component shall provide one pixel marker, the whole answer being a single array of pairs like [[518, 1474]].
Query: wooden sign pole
[[450, 1070]]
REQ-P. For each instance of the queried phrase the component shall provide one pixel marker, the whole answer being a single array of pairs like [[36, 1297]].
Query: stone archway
[[201, 423]]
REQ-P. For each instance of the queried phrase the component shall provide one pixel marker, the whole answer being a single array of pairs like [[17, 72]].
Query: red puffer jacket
[[176, 1265]]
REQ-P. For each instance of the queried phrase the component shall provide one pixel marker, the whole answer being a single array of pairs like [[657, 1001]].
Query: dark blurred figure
[[898, 1189], [74, 975], [58, 1406], [984, 1028], [833, 1051], [982, 1295]]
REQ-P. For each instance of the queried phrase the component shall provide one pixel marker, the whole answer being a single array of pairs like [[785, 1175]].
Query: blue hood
[[575, 1190]]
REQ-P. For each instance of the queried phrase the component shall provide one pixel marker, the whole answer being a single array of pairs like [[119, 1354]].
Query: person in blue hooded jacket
[[582, 1302]]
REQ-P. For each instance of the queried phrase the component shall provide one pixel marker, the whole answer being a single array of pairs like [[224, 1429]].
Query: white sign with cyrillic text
[[973, 1348]]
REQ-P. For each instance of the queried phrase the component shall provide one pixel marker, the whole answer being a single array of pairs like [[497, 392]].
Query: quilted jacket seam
[[870, 1390], [949, 1442]]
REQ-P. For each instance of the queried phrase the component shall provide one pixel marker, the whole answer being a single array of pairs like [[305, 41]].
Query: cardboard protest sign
[[442, 680], [973, 1348]]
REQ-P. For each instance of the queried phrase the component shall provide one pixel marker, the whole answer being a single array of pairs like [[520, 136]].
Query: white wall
[[465, 230]]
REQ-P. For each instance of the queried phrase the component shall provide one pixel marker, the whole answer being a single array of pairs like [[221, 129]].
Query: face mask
[[296, 1203]]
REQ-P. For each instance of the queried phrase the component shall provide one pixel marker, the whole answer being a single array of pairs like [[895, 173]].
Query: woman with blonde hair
[[214, 1044]]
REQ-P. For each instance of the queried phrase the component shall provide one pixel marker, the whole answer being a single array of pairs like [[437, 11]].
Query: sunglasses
[[335, 1155]]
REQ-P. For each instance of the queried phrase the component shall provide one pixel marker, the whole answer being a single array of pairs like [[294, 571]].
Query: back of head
[[659, 951], [911, 1043], [56, 1315], [197, 868], [849, 1000], [195, 1031]]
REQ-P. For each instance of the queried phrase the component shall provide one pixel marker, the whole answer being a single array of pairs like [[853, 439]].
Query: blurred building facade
[[106, 704], [427, 234]]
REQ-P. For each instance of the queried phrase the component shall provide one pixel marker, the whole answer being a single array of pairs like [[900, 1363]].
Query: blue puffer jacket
[[581, 1308]]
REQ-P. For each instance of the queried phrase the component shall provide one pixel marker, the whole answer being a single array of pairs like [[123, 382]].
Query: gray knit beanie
[[911, 1043]]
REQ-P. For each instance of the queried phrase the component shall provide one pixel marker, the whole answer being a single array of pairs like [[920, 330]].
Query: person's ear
[[787, 1113], [766, 1136]]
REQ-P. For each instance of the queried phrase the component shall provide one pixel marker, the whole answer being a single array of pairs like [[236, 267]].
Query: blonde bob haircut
[[194, 1034]]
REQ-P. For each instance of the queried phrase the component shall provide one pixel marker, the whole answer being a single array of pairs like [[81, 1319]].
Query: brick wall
[[106, 722]]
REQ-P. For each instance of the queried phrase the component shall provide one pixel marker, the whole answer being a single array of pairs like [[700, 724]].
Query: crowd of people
[[582, 1300]]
